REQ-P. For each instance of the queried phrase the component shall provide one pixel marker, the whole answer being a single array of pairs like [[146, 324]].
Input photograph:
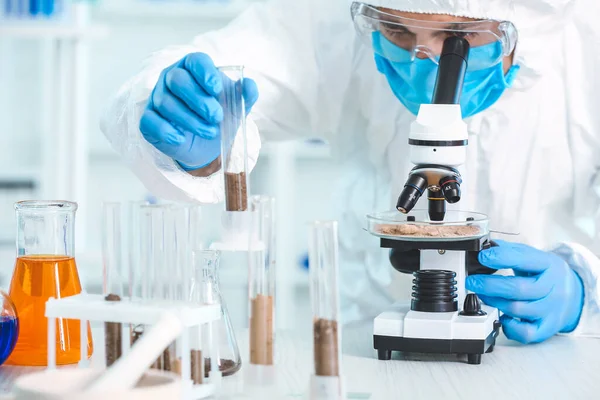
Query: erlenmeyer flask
[[205, 290], [9, 327], [45, 267]]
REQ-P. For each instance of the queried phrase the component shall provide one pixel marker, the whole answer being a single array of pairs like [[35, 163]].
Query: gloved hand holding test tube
[[186, 113]]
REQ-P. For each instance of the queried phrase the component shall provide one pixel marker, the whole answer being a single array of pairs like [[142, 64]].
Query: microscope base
[[401, 329]]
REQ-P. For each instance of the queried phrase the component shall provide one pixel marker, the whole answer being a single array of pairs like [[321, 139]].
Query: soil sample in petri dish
[[112, 336], [36, 278], [326, 347], [425, 231], [236, 191], [261, 330]]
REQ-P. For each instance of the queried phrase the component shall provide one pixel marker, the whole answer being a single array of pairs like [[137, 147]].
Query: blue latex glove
[[183, 113], [544, 298]]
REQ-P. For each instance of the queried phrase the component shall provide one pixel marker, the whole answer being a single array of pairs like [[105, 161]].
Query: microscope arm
[[438, 137]]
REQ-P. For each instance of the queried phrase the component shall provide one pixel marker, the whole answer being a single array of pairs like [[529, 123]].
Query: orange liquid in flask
[[37, 278]]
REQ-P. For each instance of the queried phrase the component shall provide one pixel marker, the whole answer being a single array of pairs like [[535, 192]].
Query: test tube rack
[[87, 308]]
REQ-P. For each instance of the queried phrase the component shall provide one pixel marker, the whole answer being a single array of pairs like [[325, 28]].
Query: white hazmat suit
[[533, 157]]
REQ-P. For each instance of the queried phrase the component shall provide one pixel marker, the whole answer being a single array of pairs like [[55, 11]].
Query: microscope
[[438, 246]]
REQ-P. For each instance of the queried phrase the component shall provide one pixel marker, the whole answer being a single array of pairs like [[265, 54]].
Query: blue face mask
[[413, 81]]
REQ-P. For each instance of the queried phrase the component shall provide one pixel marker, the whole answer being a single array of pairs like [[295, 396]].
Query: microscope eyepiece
[[414, 187], [451, 188]]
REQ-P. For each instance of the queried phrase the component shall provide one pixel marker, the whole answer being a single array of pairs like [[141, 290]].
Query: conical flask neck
[[45, 228]]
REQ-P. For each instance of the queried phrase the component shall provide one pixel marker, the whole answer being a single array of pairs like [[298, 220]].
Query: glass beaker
[[45, 268], [205, 290]]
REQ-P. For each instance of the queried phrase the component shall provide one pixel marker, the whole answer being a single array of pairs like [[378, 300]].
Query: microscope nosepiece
[[413, 189]]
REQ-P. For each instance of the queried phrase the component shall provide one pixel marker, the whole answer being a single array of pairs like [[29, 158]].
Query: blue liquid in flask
[[9, 332]]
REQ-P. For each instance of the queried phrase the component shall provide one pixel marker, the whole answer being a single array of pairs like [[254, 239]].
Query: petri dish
[[417, 226]]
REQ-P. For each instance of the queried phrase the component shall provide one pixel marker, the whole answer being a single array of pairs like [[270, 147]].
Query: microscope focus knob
[[472, 306]]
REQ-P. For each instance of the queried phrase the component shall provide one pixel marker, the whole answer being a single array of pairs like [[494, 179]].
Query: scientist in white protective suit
[[355, 74]]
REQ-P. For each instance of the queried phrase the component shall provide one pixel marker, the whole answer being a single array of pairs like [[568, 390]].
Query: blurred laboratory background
[[60, 62]]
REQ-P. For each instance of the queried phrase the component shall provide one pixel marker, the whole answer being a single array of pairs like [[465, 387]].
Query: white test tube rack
[[86, 308]]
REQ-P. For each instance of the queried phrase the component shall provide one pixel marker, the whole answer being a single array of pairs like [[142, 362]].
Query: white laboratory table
[[561, 368]]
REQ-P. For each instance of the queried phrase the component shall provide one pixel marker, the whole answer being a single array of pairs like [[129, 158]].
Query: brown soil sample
[[261, 330], [236, 192], [197, 375], [176, 366], [163, 362], [136, 334], [227, 367], [428, 230], [113, 336], [166, 360], [326, 347], [157, 364]]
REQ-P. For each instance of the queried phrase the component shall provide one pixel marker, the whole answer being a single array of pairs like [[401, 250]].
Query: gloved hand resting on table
[[544, 298], [183, 113]]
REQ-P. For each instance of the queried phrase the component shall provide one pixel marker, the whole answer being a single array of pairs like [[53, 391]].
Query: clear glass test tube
[[234, 154], [199, 290], [324, 290], [153, 261], [187, 239], [132, 232], [152, 232], [178, 246], [261, 279], [140, 243], [113, 276], [175, 239], [195, 231]]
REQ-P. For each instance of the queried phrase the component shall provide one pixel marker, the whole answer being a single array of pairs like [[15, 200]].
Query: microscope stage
[[400, 329]]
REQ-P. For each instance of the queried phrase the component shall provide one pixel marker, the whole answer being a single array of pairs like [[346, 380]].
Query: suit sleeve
[[279, 43]]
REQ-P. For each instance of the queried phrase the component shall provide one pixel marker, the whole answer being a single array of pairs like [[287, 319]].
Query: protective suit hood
[[532, 11]]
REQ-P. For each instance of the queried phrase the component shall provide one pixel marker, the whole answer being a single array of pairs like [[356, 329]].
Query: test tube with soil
[[261, 279], [113, 276], [324, 291], [182, 232], [234, 154], [154, 264], [136, 271], [174, 237]]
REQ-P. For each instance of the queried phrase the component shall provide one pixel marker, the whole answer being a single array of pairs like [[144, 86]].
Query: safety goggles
[[491, 40]]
